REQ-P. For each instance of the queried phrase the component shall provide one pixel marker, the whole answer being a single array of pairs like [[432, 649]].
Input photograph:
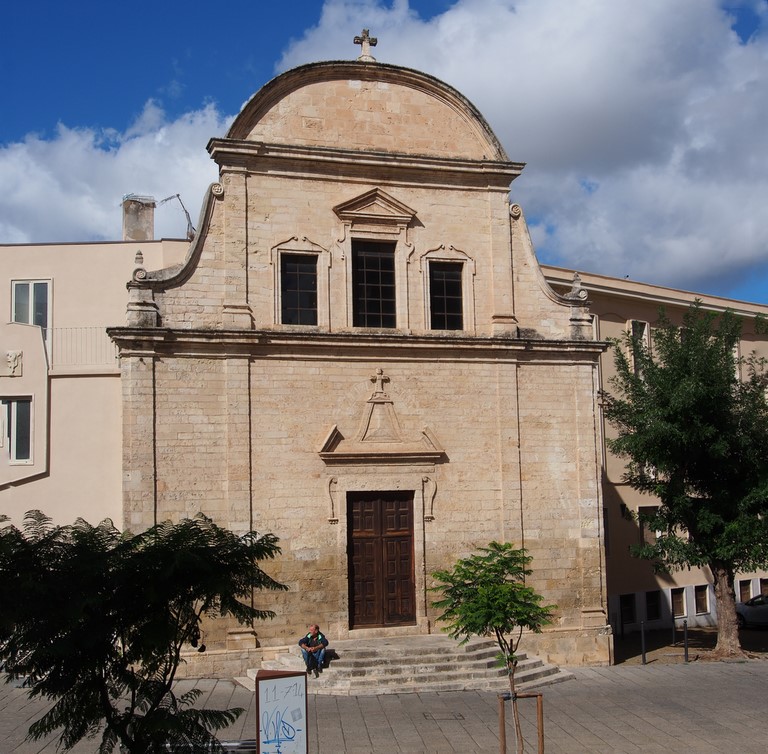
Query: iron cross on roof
[[366, 41]]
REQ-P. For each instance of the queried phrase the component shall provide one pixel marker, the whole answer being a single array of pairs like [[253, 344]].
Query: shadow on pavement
[[660, 649]]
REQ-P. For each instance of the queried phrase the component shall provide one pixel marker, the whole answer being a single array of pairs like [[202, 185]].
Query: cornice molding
[[265, 157]]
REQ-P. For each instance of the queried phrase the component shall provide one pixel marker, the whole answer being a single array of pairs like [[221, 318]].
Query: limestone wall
[[368, 115], [258, 218], [239, 439]]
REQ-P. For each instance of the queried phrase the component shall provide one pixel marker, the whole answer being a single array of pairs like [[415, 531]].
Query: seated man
[[313, 648]]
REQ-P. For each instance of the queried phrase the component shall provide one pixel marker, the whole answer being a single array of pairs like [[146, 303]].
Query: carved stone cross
[[366, 42], [379, 379]]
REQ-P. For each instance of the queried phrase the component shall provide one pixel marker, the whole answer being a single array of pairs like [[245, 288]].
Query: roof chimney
[[138, 217]]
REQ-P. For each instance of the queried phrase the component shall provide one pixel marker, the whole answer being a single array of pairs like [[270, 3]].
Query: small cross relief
[[379, 379]]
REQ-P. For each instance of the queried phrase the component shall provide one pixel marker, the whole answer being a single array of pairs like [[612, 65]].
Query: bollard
[[685, 639], [642, 639]]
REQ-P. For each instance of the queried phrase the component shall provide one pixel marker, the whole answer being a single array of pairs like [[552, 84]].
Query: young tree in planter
[[695, 436], [95, 621], [485, 595]]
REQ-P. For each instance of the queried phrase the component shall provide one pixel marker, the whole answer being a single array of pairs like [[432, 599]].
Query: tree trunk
[[728, 644], [511, 667]]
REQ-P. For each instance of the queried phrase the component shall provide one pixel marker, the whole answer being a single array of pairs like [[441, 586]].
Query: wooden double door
[[380, 555]]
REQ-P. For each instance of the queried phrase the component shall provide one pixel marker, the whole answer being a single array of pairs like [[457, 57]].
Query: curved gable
[[368, 107]]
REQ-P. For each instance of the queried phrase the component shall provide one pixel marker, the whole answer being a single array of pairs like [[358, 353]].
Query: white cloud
[[643, 124], [69, 188]]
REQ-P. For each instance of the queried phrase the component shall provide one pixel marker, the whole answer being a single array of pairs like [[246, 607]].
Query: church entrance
[[380, 555]]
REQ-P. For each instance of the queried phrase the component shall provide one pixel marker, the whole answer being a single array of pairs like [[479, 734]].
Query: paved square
[[703, 708]]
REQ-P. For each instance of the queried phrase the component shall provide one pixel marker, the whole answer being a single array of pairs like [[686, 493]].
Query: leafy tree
[[485, 595], [95, 621], [696, 437]]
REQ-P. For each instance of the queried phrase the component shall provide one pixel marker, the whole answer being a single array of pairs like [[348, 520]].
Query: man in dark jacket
[[313, 649]]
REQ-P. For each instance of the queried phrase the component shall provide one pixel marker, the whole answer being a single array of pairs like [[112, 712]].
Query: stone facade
[[483, 431]]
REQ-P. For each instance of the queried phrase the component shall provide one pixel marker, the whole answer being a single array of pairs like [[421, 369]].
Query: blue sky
[[88, 63], [643, 124]]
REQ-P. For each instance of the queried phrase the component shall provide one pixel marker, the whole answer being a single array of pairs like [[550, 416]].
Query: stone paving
[[701, 708]]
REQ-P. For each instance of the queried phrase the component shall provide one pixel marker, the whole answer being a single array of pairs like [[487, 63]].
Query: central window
[[373, 281]]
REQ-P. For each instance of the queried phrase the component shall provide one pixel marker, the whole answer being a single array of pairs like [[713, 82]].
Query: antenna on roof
[[190, 227]]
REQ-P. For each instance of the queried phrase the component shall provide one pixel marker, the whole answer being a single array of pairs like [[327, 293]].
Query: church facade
[[360, 353]]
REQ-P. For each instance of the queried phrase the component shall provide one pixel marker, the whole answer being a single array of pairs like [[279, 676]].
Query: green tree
[[95, 621], [486, 595], [695, 436]]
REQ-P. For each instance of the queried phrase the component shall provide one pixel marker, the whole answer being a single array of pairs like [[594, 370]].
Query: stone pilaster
[[138, 442]]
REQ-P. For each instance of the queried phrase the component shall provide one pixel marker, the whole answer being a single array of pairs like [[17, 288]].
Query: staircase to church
[[412, 664]]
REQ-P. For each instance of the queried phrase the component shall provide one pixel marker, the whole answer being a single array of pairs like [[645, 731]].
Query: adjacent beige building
[[358, 352], [60, 446], [635, 592]]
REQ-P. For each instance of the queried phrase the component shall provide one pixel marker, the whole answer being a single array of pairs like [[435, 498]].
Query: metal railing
[[80, 347]]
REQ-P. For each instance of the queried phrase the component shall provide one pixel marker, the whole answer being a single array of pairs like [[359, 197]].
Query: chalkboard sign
[[281, 712]]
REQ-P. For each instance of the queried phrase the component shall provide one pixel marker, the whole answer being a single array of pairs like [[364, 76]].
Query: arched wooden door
[[380, 555]]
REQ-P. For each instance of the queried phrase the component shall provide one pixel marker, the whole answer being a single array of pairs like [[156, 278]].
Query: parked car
[[753, 612]]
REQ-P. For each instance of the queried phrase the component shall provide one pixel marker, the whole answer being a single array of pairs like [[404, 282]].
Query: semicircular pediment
[[368, 107]]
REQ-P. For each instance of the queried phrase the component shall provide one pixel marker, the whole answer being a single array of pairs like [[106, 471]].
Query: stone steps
[[413, 664]]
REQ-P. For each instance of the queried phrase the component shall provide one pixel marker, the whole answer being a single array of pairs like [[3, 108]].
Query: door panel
[[380, 547]]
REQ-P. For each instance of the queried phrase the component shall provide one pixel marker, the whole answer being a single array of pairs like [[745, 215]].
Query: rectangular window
[[736, 351], [17, 430], [30, 303], [702, 599], [639, 332], [764, 587], [653, 605], [445, 296], [627, 607], [298, 289], [678, 602], [373, 282], [745, 590], [648, 535]]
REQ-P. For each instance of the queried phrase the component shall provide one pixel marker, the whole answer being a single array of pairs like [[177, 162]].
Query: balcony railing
[[80, 347]]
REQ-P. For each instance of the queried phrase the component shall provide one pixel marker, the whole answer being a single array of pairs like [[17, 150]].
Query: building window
[[745, 590], [373, 280], [653, 605], [678, 602], [639, 333], [446, 296], [16, 437], [702, 599], [298, 289], [764, 587], [648, 535], [627, 607], [30, 303]]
